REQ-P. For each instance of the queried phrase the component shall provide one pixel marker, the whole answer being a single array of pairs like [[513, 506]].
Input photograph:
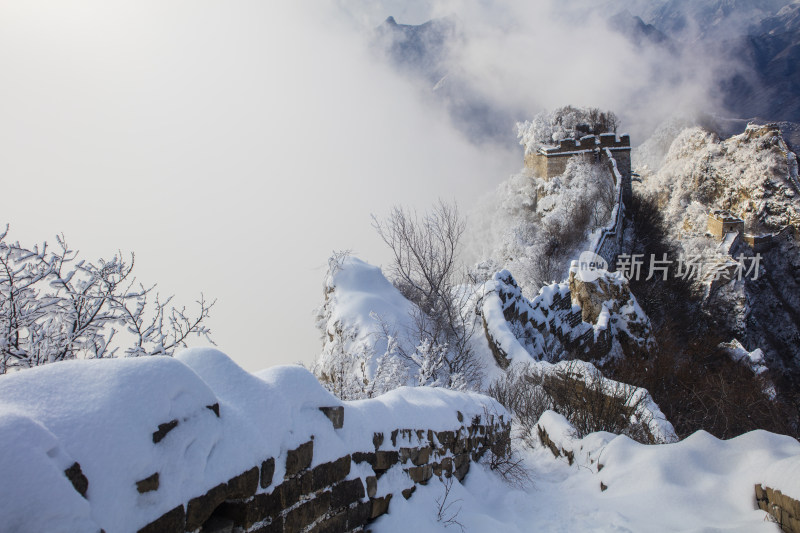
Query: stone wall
[[552, 312], [337, 496], [550, 161], [784, 509]]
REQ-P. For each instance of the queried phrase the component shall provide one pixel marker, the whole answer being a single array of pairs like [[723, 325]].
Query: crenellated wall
[[336, 496], [196, 444], [552, 311], [551, 161]]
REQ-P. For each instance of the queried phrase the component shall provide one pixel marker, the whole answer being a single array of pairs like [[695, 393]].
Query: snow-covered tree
[[348, 370], [425, 269], [55, 306], [536, 226]]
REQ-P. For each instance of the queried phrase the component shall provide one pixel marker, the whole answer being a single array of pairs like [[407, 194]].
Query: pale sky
[[234, 145], [231, 145]]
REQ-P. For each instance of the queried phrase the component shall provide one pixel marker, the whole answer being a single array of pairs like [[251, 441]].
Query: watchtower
[[549, 161]]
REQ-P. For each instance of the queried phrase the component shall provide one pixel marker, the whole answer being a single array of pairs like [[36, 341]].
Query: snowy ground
[[700, 484]]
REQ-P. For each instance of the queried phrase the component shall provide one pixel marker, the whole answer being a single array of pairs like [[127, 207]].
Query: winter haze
[[233, 146]]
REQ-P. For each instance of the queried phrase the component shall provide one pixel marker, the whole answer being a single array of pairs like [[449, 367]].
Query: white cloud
[[232, 146]]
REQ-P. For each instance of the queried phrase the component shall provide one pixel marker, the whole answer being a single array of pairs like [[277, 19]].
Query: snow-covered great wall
[[195, 443]]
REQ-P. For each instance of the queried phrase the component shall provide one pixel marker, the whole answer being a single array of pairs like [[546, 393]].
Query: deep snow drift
[[103, 413], [700, 484]]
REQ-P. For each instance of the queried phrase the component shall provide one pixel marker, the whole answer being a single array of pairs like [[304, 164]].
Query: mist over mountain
[[733, 58]]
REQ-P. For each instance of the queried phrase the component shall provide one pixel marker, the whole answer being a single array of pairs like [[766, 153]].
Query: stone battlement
[[588, 143], [550, 161]]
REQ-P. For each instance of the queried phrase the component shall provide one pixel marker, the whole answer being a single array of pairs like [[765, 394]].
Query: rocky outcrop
[[608, 298]]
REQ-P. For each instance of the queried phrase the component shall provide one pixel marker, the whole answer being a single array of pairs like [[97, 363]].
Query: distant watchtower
[[722, 222], [549, 161]]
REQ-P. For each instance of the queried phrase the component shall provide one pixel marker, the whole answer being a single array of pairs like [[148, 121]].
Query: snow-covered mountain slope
[[425, 52], [753, 175], [372, 342], [614, 485]]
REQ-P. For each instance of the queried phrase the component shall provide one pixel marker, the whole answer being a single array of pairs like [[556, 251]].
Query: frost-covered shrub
[[588, 401], [426, 271], [536, 226], [348, 368], [55, 307]]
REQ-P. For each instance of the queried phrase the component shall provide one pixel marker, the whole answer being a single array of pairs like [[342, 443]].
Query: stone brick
[[306, 513], [380, 506], [359, 514], [385, 459], [408, 492], [218, 524], [173, 521], [271, 503], [242, 513], [360, 457], [417, 456], [77, 478], [335, 415], [372, 486], [148, 484], [276, 526], [420, 474], [299, 459], [377, 440], [461, 471], [245, 513], [267, 471], [795, 507], [446, 439], [244, 485], [327, 474], [163, 429], [447, 466], [333, 524], [292, 489], [346, 492], [423, 456], [199, 509]]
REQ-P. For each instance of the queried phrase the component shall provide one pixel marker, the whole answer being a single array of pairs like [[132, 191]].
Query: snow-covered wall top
[[198, 420]]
